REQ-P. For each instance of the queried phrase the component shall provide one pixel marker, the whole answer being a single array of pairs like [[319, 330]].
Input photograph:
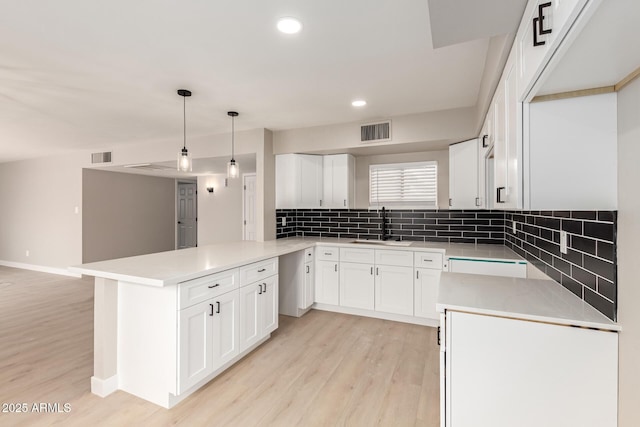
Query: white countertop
[[528, 299], [172, 267]]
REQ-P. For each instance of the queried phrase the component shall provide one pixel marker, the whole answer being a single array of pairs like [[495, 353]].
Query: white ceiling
[[82, 75]]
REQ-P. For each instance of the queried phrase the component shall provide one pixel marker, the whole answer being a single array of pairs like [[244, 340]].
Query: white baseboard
[[377, 314], [41, 268], [102, 387]]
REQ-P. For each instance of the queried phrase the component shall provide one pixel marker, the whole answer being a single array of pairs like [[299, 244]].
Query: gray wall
[[220, 212], [126, 215], [628, 251]]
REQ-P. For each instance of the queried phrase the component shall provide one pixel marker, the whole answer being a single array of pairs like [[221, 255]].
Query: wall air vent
[[101, 157], [375, 132]]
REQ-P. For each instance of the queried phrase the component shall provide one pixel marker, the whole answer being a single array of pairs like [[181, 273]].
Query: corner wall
[[628, 253]]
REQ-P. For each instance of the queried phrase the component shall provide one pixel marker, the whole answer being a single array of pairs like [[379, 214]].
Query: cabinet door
[[327, 279], [338, 181], [310, 180], [226, 319], [357, 285], [463, 174], [249, 320], [500, 148], [513, 139], [195, 357], [394, 289], [286, 182], [426, 293], [308, 289], [268, 307]]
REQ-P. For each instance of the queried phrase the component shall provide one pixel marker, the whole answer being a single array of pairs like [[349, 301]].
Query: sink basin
[[382, 242]]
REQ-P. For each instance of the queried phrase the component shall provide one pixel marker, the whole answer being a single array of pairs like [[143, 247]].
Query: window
[[406, 185]]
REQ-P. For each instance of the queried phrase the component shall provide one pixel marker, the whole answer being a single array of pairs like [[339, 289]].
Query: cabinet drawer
[[203, 288], [308, 254], [397, 258], [359, 255], [428, 260], [326, 253], [258, 271]]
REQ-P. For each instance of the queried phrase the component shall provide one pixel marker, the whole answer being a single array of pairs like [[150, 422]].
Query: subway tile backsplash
[[588, 269], [418, 225]]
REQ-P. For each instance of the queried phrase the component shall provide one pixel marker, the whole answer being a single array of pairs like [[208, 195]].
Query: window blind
[[404, 184]]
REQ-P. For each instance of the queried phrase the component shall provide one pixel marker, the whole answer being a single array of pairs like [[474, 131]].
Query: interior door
[[187, 215], [249, 207]]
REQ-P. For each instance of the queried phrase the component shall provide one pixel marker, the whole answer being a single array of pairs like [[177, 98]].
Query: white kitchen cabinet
[[307, 295], [299, 181], [339, 181], [357, 285], [485, 145], [258, 311], [327, 279], [195, 356], [426, 283], [463, 175], [394, 289], [225, 324], [296, 292], [505, 372]]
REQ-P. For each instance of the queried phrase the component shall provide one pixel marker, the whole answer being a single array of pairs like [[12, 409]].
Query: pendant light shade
[[184, 158], [233, 169]]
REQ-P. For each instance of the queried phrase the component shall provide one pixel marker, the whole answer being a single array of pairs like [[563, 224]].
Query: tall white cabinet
[[463, 175]]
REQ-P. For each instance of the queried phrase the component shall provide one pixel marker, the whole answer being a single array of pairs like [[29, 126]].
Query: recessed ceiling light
[[289, 25], [359, 103]]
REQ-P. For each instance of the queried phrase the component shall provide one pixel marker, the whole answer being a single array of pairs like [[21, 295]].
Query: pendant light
[[233, 169], [184, 158]]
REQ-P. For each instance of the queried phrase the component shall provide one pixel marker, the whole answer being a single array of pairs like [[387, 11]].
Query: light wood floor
[[322, 369]]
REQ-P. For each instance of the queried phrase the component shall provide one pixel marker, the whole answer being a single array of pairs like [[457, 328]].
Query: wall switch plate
[[514, 227], [284, 221], [563, 242]]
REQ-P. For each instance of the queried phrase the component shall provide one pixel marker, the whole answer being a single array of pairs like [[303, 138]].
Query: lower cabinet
[[258, 311], [357, 285], [394, 289], [308, 289], [426, 283], [327, 283], [208, 337]]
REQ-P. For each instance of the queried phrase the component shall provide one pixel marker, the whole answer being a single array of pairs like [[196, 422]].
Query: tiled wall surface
[[588, 269], [447, 226]]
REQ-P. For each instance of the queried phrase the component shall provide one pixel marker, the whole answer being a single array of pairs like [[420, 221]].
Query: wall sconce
[[210, 190]]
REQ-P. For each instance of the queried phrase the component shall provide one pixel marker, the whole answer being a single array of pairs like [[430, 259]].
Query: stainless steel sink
[[382, 242]]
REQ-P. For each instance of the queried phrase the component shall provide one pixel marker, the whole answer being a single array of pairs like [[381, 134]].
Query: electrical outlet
[[514, 227], [26, 253], [563, 242], [284, 221]]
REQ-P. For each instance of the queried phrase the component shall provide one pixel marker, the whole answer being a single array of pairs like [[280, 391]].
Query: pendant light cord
[[233, 133], [184, 121]]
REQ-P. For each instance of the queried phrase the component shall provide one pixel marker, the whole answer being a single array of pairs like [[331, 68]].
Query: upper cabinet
[[305, 181], [298, 181], [339, 181], [463, 175]]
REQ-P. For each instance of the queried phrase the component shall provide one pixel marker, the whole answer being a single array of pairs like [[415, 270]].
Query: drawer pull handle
[[211, 314], [218, 310], [427, 260], [262, 270], [265, 288], [328, 253], [214, 286], [260, 291]]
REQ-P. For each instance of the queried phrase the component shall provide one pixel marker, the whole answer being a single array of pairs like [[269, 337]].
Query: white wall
[[431, 131], [39, 198], [362, 173], [628, 252], [220, 212]]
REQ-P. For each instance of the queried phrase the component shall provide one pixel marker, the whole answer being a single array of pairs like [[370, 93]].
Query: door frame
[[244, 177], [175, 210]]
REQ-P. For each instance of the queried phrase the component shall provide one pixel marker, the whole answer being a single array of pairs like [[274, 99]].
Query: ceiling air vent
[[375, 132], [101, 157]]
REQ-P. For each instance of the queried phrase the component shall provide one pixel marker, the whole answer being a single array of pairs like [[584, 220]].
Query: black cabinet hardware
[[260, 291], [449, 202], [377, 271], [499, 194], [478, 201], [265, 288], [218, 309], [261, 270], [372, 271], [214, 286], [211, 314], [538, 25], [336, 267], [345, 202], [417, 274], [485, 138], [307, 269], [438, 335]]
